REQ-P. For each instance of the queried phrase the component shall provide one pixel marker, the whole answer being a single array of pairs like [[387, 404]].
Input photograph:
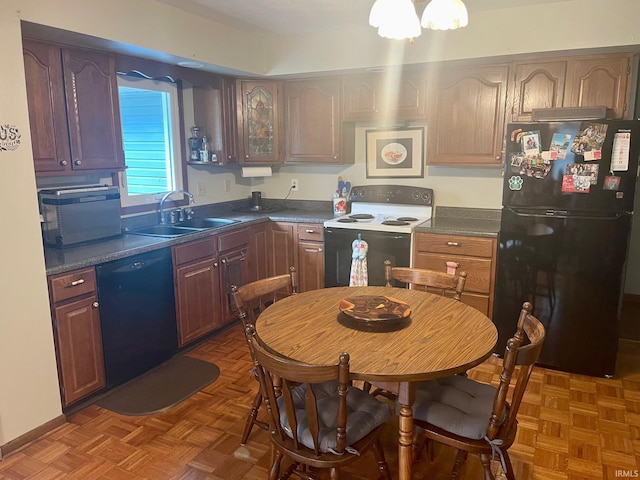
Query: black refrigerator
[[566, 219]]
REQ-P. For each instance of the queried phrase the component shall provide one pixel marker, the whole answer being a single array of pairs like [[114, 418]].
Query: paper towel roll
[[256, 171]]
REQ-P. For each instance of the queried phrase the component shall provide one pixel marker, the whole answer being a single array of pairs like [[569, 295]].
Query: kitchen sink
[[205, 222], [163, 231], [182, 228]]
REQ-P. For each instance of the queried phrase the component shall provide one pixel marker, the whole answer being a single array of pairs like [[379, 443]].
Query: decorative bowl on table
[[374, 313]]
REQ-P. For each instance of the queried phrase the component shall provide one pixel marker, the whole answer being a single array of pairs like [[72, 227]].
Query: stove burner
[[347, 220], [394, 222], [361, 216], [407, 219]]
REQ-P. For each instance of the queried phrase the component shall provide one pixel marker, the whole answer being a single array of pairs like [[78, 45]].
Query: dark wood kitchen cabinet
[[536, 84], [601, 80], [310, 262], [73, 109], [259, 121], [258, 252], [197, 289], [312, 122], [385, 97], [282, 247], [576, 81], [229, 123], [234, 268], [77, 334], [474, 255], [466, 125]]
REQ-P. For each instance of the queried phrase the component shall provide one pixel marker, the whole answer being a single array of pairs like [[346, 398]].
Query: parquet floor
[[571, 427]]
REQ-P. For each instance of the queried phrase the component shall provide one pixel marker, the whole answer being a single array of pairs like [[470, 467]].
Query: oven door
[[382, 246]]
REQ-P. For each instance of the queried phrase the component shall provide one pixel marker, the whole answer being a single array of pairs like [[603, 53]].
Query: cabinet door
[[536, 85], [467, 127], [310, 266], [233, 271], [399, 95], [47, 111], [258, 253], [282, 248], [600, 80], [79, 341], [312, 121], [229, 122], [260, 132], [93, 110], [197, 299]]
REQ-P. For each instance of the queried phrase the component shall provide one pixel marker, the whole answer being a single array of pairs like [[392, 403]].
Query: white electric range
[[385, 216]]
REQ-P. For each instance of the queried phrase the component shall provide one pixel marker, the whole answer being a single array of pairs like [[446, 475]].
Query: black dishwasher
[[137, 314]]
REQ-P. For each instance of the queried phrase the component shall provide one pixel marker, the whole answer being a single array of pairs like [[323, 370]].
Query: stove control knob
[[416, 195], [426, 196]]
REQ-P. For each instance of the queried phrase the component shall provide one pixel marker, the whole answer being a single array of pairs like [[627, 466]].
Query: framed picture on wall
[[395, 153]]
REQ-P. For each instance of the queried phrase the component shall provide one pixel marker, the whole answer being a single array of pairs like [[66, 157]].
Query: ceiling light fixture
[[445, 15], [398, 19], [395, 19]]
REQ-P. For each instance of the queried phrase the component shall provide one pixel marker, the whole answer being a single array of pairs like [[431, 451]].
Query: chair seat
[[456, 404], [365, 413]]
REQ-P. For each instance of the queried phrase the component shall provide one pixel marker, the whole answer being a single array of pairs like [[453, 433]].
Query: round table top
[[443, 337]]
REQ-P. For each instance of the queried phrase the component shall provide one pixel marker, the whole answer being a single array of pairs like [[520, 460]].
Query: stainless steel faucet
[[167, 195]]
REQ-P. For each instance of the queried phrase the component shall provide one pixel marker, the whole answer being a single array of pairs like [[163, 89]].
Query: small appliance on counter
[[256, 205], [73, 215]]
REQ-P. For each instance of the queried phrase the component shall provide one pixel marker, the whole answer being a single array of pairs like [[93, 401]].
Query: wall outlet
[[294, 184], [227, 185], [202, 189]]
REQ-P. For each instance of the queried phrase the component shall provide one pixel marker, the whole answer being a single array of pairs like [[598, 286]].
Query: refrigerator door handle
[[565, 214]]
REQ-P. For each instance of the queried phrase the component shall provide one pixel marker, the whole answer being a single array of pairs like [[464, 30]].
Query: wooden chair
[[441, 283], [427, 280], [474, 417], [317, 419], [253, 298]]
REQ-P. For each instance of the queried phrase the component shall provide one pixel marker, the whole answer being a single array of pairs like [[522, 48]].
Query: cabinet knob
[[77, 162], [215, 264], [224, 260], [453, 244], [320, 250], [95, 304], [335, 157], [310, 230], [246, 155], [63, 163]]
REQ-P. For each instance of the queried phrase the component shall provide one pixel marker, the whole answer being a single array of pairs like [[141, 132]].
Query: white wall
[[28, 383]]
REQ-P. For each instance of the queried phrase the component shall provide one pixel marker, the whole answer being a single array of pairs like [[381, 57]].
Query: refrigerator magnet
[[611, 182], [515, 183], [531, 144], [620, 152], [559, 145], [589, 140], [588, 170], [575, 184]]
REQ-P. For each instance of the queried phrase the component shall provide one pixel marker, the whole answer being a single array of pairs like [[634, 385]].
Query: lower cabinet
[[77, 335], [234, 270], [300, 245], [197, 289], [474, 255], [310, 264], [258, 252]]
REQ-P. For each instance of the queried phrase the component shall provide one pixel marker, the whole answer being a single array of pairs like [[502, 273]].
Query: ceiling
[[304, 16]]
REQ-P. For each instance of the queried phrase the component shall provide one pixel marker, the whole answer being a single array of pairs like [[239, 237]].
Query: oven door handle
[[350, 232]]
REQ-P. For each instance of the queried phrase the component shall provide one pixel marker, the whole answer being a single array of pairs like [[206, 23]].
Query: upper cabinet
[[601, 80], [385, 97], [259, 121], [466, 125], [536, 84], [586, 81], [229, 122], [73, 109], [313, 126]]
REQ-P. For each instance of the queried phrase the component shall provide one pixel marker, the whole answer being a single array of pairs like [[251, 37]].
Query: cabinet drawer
[[73, 284], [455, 244], [311, 232], [193, 250], [478, 269], [232, 240]]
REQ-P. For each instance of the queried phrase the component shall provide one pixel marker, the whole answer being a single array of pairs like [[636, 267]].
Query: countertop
[[448, 220]]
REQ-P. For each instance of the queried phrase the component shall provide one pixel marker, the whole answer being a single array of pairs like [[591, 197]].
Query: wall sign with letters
[[9, 137]]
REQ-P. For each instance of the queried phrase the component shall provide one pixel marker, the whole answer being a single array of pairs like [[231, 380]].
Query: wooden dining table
[[441, 337]]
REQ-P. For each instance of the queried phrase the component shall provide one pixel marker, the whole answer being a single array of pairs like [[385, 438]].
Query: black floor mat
[[161, 388]]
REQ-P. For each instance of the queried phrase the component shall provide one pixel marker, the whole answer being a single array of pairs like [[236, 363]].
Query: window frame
[[151, 201]]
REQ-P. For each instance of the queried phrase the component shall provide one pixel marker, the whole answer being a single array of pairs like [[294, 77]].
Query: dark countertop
[[478, 222], [60, 260], [448, 220]]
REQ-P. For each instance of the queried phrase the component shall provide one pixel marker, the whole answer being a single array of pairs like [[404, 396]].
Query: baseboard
[[631, 298], [31, 435]]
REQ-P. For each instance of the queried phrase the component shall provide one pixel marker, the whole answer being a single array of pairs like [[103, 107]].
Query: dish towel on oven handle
[[359, 276]]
